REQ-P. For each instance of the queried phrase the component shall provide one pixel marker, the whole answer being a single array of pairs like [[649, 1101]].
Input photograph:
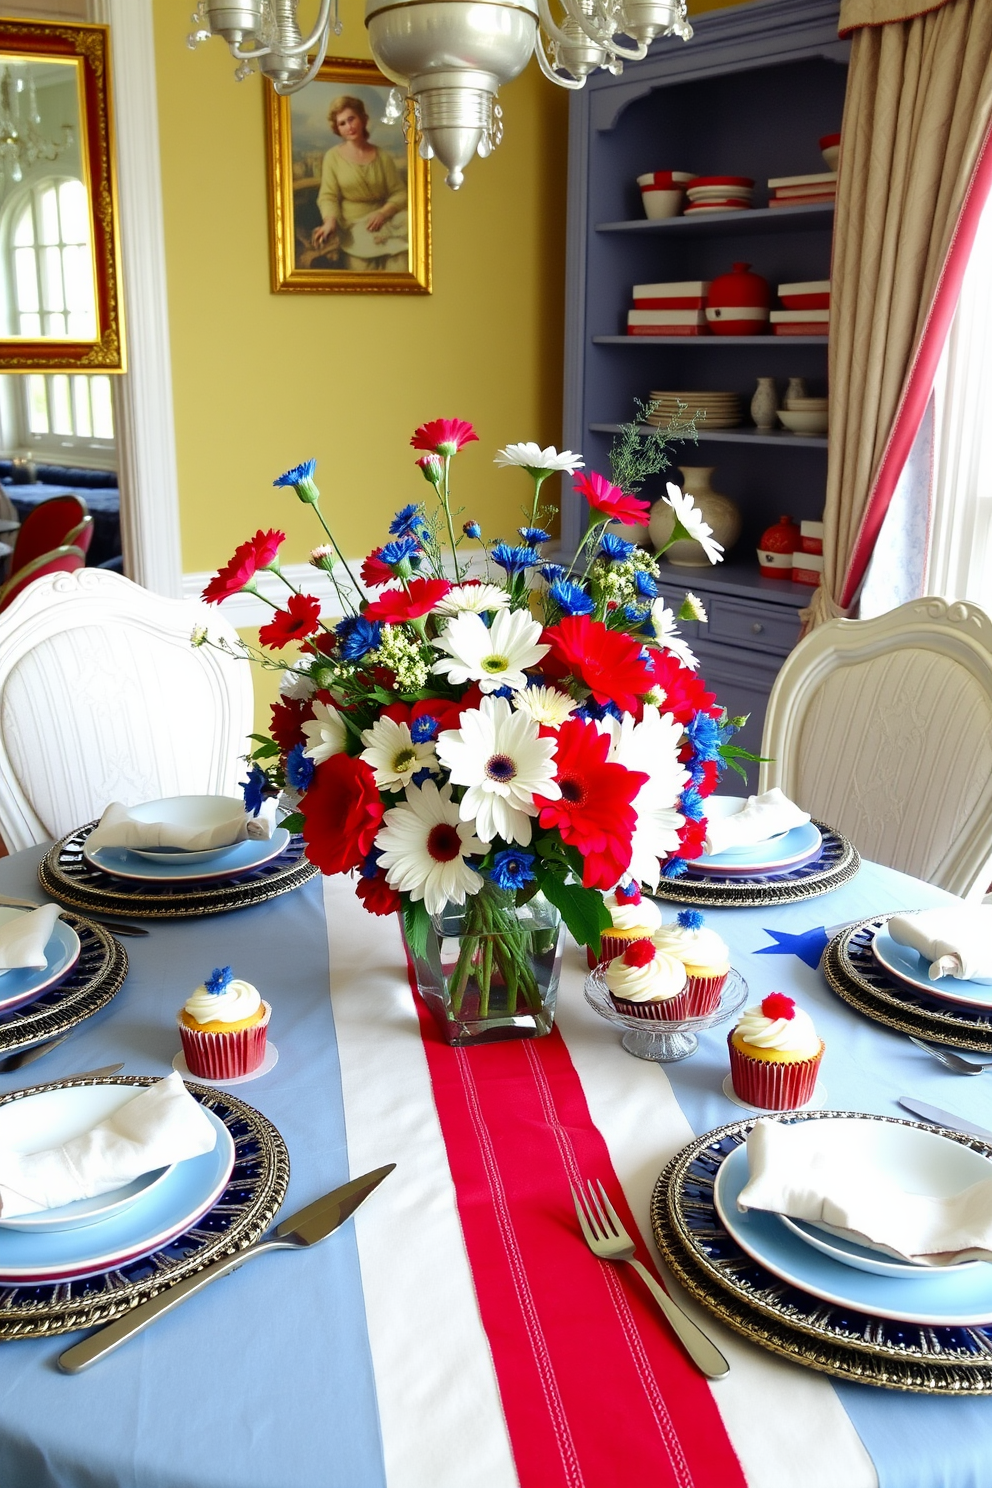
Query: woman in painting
[[362, 199]]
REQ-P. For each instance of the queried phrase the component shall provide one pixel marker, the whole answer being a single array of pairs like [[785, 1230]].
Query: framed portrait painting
[[349, 196]]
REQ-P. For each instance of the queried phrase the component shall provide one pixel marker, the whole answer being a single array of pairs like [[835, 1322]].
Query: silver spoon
[[953, 1061]]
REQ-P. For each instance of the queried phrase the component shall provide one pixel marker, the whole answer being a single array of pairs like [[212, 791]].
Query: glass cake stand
[[660, 1039]]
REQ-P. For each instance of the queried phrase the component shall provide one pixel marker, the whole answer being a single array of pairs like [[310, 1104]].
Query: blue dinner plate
[[23, 984], [795, 848], [945, 1299], [240, 858], [909, 966]]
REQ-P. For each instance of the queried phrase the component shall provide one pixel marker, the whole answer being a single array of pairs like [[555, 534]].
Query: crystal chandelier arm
[[549, 72], [629, 54]]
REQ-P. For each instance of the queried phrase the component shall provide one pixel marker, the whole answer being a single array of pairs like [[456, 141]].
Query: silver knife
[[301, 1230], [944, 1118]]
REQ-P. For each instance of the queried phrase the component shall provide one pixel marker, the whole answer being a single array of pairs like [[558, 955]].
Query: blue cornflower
[[370, 867], [219, 979], [472, 529], [552, 572], [705, 736], [674, 868], [423, 730], [357, 637], [420, 776], [501, 692], [570, 598], [590, 709], [403, 547], [301, 479], [690, 919], [407, 521], [299, 769], [691, 804], [639, 620], [512, 869], [644, 584], [615, 550], [533, 535], [254, 789], [514, 560]]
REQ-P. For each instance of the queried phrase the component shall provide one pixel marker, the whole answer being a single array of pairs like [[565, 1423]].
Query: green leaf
[[294, 822], [416, 924], [583, 910]]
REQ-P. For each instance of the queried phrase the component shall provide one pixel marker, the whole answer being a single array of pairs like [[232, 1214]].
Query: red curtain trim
[[923, 369]]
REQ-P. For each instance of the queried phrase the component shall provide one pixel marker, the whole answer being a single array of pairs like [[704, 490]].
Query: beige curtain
[[919, 102]]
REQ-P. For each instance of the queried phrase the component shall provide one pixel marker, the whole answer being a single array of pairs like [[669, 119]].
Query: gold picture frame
[[76, 144], [319, 198]]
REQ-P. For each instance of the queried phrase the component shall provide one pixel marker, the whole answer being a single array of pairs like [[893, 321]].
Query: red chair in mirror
[[62, 521], [65, 559]]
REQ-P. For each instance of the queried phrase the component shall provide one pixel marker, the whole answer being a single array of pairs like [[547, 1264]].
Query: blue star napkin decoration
[[809, 946]]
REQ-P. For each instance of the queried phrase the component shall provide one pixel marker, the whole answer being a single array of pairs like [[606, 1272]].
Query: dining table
[[458, 1333]]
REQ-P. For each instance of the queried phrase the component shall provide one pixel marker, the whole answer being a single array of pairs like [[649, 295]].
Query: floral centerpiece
[[485, 739]]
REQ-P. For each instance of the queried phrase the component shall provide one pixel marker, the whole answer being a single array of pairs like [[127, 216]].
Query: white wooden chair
[[103, 698], [883, 728]]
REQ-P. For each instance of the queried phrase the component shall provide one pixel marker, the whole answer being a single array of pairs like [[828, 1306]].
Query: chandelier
[[449, 56], [21, 143]]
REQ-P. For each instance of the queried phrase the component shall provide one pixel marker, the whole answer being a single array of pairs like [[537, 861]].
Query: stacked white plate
[[910, 968], [176, 864], [780, 854], [21, 985], [720, 194], [711, 410]]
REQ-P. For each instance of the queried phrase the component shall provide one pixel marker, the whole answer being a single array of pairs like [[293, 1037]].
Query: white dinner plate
[[23, 984], [780, 854], [722, 807], [87, 1211], [167, 1209], [946, 1298], [909, 967], [845, 1248], [179, 854], [123, 862]]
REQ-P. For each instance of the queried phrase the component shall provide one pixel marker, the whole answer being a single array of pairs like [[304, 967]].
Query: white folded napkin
[[23, 939], [815, 1170], [163, 1124], [956, 939], [118, 828], [763, 817]]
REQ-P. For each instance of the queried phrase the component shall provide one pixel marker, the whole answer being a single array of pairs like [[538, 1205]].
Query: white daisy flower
[[393, 755], [472, 599], [692, 609], [496, 657], [325, 733], [498, 754], [535, 459], [424, 847], [651, 746], [293, 685], [545, 704], [667, 635], [692, 520]]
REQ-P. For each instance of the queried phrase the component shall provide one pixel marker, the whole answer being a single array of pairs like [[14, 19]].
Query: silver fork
[[606, 1237], [952, 1060]]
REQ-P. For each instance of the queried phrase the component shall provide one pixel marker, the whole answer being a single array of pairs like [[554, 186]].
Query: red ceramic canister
[[738, 303], [776, 548]]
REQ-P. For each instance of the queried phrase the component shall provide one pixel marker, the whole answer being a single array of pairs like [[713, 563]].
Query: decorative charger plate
[[853, 973], [838, 862], [65, 874], [245, 1209], [757, 1304], [97, 976]]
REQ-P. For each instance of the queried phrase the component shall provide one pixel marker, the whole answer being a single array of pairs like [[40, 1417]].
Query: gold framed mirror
[[60, 292]]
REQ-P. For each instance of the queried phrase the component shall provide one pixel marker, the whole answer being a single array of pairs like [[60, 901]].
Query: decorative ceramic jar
[[776, 548], [796, 389], [490, 968], [738, 303], [718, 510], [764, 404]]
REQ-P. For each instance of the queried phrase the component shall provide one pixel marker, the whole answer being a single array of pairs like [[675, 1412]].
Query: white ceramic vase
[[718, 510], [764, 404]]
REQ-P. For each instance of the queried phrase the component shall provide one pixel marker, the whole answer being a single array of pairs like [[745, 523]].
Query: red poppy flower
[[443, 436], [294, 623], [343, 811], [377, 896], [607, 661], [258, 552], [595, 813], [288, 717], [375, 572], [682, 692], [397, 605], [608, 499]]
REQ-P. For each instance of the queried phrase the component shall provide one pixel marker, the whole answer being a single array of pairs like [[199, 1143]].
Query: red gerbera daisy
[[377, 896], [298, 620], [342, 810], [444, 711], [396, 605], [608, 499], [288, 717], [443, 436], [594, 813], [607, 661], [682, 692], [258, 552], [375, 572]]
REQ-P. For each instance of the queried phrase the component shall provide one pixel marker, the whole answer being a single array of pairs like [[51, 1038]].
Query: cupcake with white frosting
[[704, 955], [775, 1055], [223, 1027], [634, 918], [646, 983]]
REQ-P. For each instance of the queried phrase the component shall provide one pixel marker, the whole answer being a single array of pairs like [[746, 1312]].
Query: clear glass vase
[[491, 967]]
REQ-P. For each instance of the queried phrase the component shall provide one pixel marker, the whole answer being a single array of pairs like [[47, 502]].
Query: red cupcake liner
[[770, 1084], [612, 945], [225, 1056], [667, 1011]]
